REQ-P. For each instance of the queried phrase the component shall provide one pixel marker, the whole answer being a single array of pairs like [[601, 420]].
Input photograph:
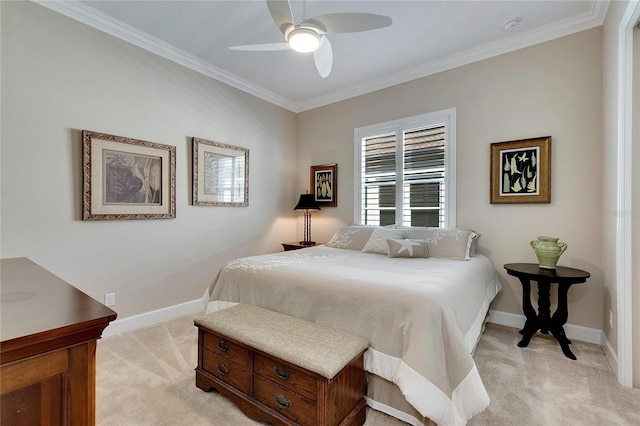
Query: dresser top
[[37, 306]]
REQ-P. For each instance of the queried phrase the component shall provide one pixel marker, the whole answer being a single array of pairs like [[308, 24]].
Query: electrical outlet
[[610, 319], [110, 299]]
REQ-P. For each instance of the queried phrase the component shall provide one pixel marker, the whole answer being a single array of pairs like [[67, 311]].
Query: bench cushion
[[323, 350]]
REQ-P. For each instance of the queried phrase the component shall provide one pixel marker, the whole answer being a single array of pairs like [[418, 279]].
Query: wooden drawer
[[225, 348], [227, 371], [286, 375], [272, 390], [284, 401], [39, 404]]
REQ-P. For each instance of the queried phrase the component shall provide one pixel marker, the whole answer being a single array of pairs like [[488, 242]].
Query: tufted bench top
[[323, 350]]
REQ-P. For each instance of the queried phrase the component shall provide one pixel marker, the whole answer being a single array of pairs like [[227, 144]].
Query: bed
[[423, 316]]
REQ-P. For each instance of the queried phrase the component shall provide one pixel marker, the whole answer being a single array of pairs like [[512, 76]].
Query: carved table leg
[[531, 325], [544, 306], [559, 319]]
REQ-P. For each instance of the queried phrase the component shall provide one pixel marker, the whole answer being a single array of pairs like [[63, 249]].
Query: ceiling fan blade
[[281, 13], [349, 22], [265, 47], [323, 58]]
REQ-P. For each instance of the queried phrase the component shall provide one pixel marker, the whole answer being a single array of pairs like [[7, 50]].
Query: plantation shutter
[[379, 180], [406, 171], [424, 171], [422, 199]]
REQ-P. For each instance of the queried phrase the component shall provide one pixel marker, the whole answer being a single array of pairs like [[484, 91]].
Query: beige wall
[[59, 77], [550, 89]]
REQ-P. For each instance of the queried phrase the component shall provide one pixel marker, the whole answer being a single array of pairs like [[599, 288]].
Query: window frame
[[446, 118]]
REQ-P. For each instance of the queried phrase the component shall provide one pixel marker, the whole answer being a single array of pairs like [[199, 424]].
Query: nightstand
[[543, 320], [295, 245]]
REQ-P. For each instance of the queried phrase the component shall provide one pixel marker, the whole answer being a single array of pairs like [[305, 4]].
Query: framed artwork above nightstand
[[324, 184]]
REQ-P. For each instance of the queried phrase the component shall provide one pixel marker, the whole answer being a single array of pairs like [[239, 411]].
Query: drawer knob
[[223, 346], [223, 369], [282, 401], [282, 372]]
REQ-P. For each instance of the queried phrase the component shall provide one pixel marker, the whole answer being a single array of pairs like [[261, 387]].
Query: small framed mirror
[[220, 174]]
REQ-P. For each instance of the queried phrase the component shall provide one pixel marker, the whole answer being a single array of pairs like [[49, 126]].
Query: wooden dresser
[[48, 333]]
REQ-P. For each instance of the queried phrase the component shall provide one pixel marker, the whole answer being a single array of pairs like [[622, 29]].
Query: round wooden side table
[[542, 320]]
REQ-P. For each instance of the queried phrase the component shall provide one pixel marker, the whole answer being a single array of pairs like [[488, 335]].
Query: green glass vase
[[548, 251]]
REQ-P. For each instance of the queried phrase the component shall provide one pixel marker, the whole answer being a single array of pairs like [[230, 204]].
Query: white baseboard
[[153, 317], [577, 332], [610, 353]]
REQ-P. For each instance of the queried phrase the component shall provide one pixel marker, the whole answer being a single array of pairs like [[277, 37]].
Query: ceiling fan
[[310, 34]]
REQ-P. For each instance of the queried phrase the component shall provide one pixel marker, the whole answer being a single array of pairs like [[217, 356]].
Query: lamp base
[[308, 243]]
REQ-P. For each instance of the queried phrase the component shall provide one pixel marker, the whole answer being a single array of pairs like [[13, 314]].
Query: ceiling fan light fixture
[[303, 40]]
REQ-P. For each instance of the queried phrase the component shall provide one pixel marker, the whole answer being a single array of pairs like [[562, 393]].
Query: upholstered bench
[[281, 369]]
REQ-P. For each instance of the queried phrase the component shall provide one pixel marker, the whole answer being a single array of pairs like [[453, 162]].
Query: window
[[405, 171]]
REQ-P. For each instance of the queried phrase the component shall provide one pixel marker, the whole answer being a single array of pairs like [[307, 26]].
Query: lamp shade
[[306, 202]]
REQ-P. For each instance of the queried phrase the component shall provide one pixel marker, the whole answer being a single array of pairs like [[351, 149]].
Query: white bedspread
[[422, 317]]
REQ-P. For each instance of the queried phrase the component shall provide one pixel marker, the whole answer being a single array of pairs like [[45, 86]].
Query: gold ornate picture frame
[[220, 174], [521, 171], [126, 178], [324, 184]]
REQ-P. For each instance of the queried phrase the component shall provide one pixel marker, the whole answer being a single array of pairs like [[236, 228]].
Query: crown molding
[[80, 12], [86, 15]]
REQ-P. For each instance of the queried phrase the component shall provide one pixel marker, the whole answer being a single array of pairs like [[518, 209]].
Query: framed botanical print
[[324, 184], [126, 178], [521, 171]]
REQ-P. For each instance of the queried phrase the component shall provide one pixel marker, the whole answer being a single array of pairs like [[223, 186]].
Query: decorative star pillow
[[407, 248]]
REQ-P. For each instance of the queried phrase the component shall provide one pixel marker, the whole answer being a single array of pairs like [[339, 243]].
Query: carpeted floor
[[146, 377]]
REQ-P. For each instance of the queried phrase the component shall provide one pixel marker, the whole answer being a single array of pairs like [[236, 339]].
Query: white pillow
[[378, 240], [351, 238], [450, 243], [408, 248]]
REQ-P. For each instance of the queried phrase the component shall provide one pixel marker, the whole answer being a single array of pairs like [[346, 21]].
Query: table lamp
[[307, 204]]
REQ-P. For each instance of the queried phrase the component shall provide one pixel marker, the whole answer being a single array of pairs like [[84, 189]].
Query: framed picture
[[324, 184], [521, 171], [126, 178], [220, 174]]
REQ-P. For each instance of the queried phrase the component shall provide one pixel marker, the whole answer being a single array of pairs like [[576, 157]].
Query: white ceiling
[[426, 37]]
